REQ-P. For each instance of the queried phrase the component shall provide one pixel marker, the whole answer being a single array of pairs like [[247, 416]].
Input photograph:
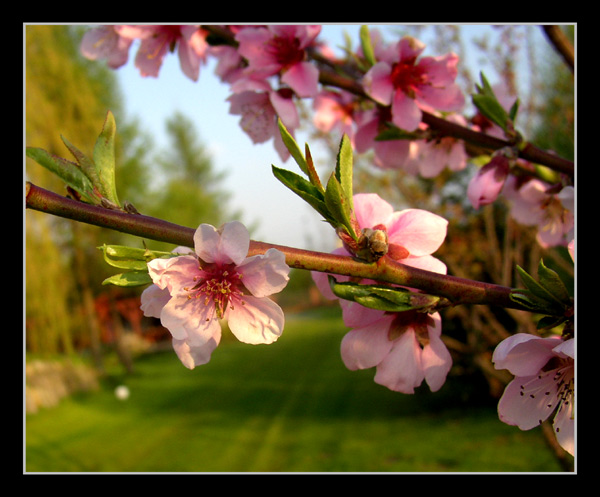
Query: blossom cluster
[[269, 69], [404, 347]]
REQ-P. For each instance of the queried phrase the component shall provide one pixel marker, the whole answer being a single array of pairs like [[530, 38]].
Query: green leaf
[[312, 172], [343, 169], [488, 104], [338, 205], [537, 289], [292, 147], [130, 258], [68, 171], [104, 159], [552, 283], [305, 190], [491, 108], [367, 47], [533, 303], [512, 113], [133, 278]]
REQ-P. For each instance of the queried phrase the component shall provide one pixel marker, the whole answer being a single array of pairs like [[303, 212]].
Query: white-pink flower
[[544, 384], [275, 49], [409, 86], [191, 293], [334, 110]]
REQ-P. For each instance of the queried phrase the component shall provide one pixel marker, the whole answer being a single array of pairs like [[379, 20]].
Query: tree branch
[[561, 43], [456, 290]]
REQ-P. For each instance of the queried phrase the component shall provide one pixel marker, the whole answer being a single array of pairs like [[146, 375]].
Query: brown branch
[[456, 290], [561, 43]]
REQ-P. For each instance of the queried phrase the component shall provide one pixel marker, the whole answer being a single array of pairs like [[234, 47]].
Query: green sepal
[[367, 46], [132, 278], [104, 159], [68, 171], [382, 297], [132, 259]]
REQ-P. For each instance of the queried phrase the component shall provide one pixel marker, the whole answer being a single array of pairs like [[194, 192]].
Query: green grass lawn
[[290, 406]]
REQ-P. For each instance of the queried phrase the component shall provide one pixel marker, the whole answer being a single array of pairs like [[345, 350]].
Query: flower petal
[[257, 320], [419, 231], [190, 319], [194, 355], [303, 78], [436, 359], [525, 402], [265, 274], [366, 347], [370, 209], [564, 427], [153, 300], [401, 369], [378, 83], [405, 112], [225, 246], [175, 273], [523, 354]]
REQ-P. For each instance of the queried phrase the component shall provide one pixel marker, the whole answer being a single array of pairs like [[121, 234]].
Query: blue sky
[[281, 216]]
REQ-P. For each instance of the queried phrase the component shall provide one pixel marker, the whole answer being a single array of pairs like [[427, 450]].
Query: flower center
[[408, 77], [219, 284], [286, 51]]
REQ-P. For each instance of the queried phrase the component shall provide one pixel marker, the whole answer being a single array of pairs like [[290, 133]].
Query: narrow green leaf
[[305, 190], [491, 108], [84, 162], [68, 171], [343, 170], [312, 172], [104, 159], [133, 253], [338, 205], [133, 278], [292, 147], [512, 113], [535, 304], [367, 47]]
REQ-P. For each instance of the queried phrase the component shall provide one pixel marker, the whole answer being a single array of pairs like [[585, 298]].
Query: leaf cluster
[[91, 180], [334, 200], [548, 296]]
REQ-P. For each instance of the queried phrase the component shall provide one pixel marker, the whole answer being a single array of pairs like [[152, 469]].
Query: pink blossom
[[104, 42], [334, 110], [157, 40], [191, 293], [430, 157], [259, 107], [534, 203], [280, 49], [409, 86], [487, 184], [544, 384], [388, 153], [406, 347]]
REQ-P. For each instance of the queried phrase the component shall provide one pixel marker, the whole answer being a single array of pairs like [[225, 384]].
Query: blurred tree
[[190, 192], [68, 95]]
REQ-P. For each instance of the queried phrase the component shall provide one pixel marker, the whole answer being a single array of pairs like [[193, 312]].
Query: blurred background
[[103, 390]]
